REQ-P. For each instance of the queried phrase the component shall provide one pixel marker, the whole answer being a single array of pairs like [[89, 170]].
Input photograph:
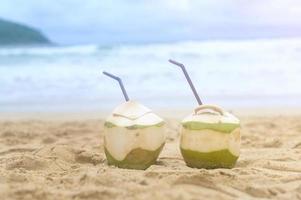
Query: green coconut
[[210, 138], [134, 136]]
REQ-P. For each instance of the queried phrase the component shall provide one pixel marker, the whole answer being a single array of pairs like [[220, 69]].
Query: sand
[[64, 159]]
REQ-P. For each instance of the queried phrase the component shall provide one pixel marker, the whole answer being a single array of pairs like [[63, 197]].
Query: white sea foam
[[231, 73], [44, 50]]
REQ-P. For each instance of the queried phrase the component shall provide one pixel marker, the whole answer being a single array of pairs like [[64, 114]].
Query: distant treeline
[[12, 33]]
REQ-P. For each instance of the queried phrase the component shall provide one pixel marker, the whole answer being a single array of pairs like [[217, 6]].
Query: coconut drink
[[133, 135], [210, 136]]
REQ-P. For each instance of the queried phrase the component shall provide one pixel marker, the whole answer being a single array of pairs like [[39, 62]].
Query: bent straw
[[188, 80], [120, 84]]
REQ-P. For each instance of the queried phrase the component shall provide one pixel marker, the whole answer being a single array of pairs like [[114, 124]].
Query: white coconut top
[[211, 114], [132, 113]]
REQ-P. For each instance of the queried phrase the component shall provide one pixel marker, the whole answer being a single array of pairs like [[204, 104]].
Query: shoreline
[[165, 113]]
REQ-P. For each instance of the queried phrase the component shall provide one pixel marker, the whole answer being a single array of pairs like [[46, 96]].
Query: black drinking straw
[[120, 84], [188, 80]]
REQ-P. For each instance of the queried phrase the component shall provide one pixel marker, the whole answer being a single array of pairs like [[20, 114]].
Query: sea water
[[233, 73]]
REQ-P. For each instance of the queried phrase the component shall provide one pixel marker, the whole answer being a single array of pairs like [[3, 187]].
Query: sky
[[136, 21]]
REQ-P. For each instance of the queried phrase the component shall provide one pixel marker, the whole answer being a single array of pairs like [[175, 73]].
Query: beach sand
[[64, 159]]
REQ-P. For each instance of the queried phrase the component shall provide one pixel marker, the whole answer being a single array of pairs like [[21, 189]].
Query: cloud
[[106, 22]]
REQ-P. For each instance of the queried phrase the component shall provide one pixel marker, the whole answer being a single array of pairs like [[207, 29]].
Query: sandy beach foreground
[[64, 159]]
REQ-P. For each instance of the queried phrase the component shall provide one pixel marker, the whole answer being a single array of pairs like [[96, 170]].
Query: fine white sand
[[47, 158]]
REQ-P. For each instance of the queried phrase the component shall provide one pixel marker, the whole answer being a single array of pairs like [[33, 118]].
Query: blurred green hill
[[12, 33]]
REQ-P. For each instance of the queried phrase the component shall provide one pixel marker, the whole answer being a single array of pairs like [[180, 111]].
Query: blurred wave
[[229, 73], [41, 51]]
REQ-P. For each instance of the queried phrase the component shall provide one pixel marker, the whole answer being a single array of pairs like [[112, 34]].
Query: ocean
[[233, 73]]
